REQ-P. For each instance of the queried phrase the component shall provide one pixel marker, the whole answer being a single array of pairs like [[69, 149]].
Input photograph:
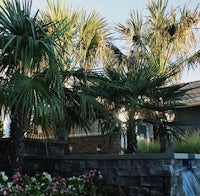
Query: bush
[[94, 182], [189, 143], [44, 184], [145, 147]]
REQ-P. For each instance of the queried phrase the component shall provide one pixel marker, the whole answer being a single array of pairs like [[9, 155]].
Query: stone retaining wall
[[135, 174], [150, 174]]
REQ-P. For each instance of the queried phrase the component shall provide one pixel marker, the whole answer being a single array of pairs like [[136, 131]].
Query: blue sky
[[118, 11]]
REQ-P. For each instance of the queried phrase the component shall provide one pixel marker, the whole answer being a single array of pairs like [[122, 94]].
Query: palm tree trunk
[[17, 145], [165, 140], [131, 137]]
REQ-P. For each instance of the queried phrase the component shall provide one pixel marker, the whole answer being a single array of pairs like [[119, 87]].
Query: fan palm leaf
[[163, 38], [32, 87], [84, 41]]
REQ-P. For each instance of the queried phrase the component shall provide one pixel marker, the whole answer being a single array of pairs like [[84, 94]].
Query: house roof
[[192, 95]]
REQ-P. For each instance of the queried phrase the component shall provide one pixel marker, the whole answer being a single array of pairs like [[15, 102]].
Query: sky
[[118, 11]]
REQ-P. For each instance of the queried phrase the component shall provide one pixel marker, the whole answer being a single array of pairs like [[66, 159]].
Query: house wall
[[94, 144], [189, 115]]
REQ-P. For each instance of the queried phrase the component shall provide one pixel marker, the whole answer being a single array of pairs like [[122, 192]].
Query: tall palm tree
[[34, 80], [162, 43], [30, 80]]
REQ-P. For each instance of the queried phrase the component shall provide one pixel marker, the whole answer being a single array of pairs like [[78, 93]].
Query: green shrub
[[189, 143], [76, 186], [145, 147]]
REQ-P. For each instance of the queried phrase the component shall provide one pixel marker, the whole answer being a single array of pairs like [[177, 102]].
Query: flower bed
[[43, 184]]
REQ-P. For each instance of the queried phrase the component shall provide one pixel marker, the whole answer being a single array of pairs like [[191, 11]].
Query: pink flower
[[17, 175], [4, 193], [100, 177]]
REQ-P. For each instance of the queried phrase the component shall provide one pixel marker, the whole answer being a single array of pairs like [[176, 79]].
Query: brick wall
[[94, 144]]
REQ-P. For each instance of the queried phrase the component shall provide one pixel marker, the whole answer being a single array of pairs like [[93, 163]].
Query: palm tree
[[83, 46], [163, 43], [144, 97], [34, 79], [30, 80]]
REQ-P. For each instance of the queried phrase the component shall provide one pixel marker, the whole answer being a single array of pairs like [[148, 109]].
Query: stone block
[[93, 164], [157, 181], [123, 172], [139, 191], [124, 164], [130, 181], [158, 192], [146, 181], [63, 168], [165, 170]]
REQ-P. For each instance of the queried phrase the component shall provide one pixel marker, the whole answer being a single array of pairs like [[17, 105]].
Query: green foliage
[[1, 129], [3, 179], [163, 37], [143, 147], [76, 186], [189, 143], [83, 42]]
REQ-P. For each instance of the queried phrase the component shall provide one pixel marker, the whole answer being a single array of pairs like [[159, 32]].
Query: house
[[190, 110]]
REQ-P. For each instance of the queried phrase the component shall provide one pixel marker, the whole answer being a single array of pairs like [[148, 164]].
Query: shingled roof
[[192, 95]]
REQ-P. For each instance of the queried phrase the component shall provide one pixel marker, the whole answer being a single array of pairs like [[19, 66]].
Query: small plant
[[59, 185], [39, 185], [76, 186], [3, 179], [145, 147], [94, 182]]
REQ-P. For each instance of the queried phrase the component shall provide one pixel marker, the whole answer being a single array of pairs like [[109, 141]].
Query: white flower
[[33, 179], [47, 176], [4, 177], [9, 185]]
